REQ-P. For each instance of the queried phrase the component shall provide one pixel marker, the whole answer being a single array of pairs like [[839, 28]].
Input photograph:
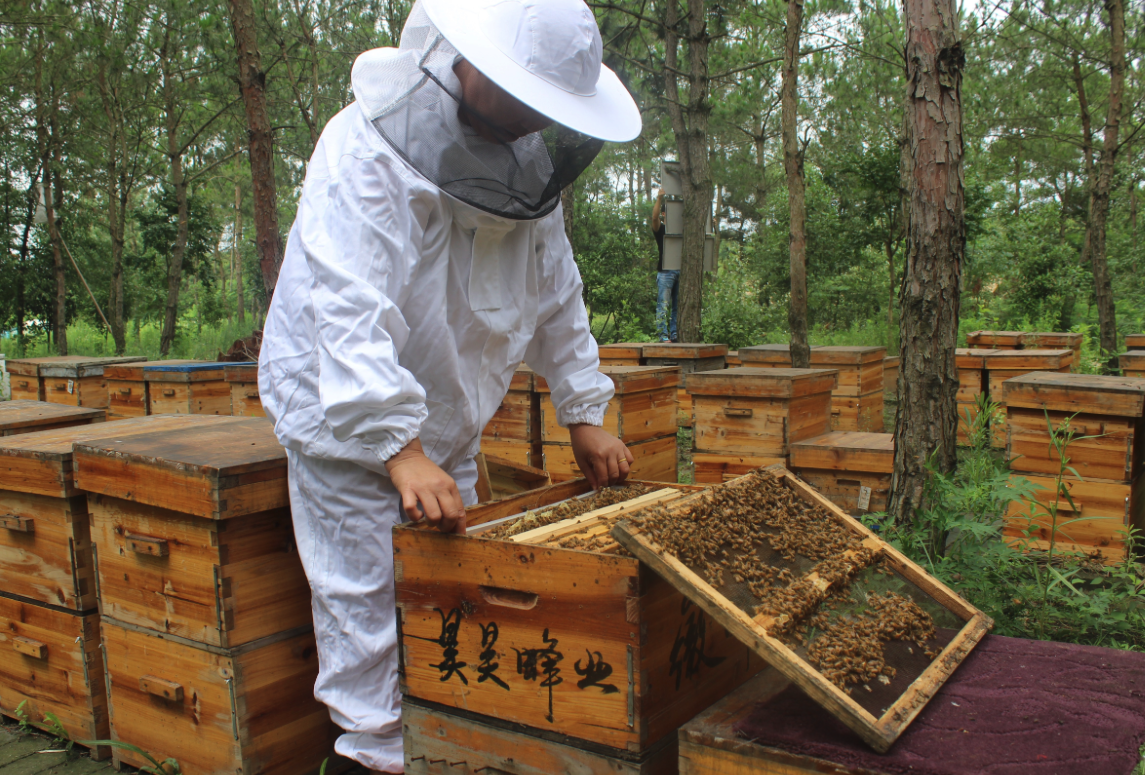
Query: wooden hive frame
[[879, 732]]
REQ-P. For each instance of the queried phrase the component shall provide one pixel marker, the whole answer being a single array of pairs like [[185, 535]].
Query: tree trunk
[[1087, 154], [796, 202], [116, 220], [1099, 195], [690, 127], [238, 256], [56, 193], [179, 187], [927, 419], [252, 83]]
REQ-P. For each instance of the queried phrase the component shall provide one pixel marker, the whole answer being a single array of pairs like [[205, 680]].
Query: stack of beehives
[[181, 523], [622, 354], [71, 380], [688, 358], [523, 655], [1133, 362], [1003, 365], [514, 433], [851, 469], [1103, 471]]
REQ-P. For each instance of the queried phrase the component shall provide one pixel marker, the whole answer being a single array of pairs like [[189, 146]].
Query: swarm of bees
[[726, 533], [566, 510]]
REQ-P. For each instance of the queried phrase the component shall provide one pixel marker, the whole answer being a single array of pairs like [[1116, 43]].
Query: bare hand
[[603, 458], [419, 481]]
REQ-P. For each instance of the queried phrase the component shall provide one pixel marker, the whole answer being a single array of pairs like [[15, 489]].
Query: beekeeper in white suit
[[427, 260]]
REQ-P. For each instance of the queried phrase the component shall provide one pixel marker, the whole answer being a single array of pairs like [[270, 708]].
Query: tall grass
[[86, 339]]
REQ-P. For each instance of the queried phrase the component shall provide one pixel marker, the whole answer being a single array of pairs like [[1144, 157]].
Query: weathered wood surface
[[998, 340], [1104, 448], [762, 383], [1028, 360], [525, 453], [711, 468], [758, 426], [221, 583], [214, 467], [1084, 393], [1107, 509], [514, 433], [245, 399], [133, 372], [76, 391], [193, 371], [846, 355], [846, 451], [1132, 364], [498, 479], [622, 354], [864, 414], [766, 355], [973, 358], [855, 492], [20, 416], [643, 407], [655, 460], [880, 733], [732, 359], [248, 710], [79, 366], [1135, 341], [684, 352], [45, 550], [891, 374], [197, 397], [440, 742], [51, 660]]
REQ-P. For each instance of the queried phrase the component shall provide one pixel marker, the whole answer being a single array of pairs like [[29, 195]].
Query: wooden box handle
[[32, 648], [149, 545], [1075, 509], [510, 598], [161, 688], [60, 388], [125, 391], [250, 394], [17, 524], [23, 383], [169, 392], [731, 411]]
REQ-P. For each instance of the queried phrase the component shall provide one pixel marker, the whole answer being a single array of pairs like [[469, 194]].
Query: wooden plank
[[133, 371], [80, 366], [683, 351], [858, 413], [1085, 393], [846, 451], [525, 453], [1105, 447], [630, 416], [76, 391], [245, 400], [214, 467], [23, 416], [1028, 360], [880, 733], [843, 355], [193, 397], [1108, 510], [1132, 342], [655, 460], [996, 339], [849, 489], [26, 388], [757, 426], [622, 350], [762, 383], [196, 371], [891, 374], [50, 660], [766, 355], [51, 562], [732, 359]]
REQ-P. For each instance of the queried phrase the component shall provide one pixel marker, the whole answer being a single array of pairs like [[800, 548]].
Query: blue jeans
[[667, 299]]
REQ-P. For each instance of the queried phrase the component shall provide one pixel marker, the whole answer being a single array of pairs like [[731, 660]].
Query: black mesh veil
[[411, 96]]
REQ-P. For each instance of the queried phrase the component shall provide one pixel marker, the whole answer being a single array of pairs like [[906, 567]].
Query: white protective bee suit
[[401, 312]]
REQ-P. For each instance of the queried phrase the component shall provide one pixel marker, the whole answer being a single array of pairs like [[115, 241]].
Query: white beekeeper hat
[[547, 54]]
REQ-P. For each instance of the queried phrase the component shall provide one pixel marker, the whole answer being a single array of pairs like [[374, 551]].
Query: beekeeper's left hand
[[602, 457]]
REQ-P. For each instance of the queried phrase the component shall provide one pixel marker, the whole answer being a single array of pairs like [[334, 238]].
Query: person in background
[[667, 280]]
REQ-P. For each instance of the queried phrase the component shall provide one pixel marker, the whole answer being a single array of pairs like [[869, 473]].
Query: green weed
[[153, 767]]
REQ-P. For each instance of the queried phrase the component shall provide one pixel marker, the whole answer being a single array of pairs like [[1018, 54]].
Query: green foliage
[[168, 766], [733, 312], [84, 338], [50, 725]]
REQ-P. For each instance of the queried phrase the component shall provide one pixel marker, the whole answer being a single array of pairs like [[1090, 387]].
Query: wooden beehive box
[[865, 565], [1051, 340], [1002, 365], [891, 375], [50, 662], [77, 380], [852, 470], [995, 340], [765, 356], [972, 382], [622, 354], [192, 530], [642, 414], [188, 388], [25, 378], [498, 479], [688, 358], [127, 389], [246, 710], [514, 433], [588, 645], [1107, 415], [857, 400], [732, 360], [45, 537], [243, 381], [20, 416], [1135, 341], [748, 417], [1132, 363]]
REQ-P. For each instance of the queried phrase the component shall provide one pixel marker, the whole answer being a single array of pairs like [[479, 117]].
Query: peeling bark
[[927, 419]]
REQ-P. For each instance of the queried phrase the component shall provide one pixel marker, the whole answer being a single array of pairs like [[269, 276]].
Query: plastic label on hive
[[864, 498], [71, 386]]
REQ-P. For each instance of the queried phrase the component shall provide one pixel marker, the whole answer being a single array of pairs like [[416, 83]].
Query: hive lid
[[1084, 393], [630, 379], [1007, 338], [241, 372], [846, 356], [846, 451], [194, 371], [754, 382], [1135, 341], [67, 366], [972, 357], [41, 462], [21, 414], [684, 351], [622, 350], [133, 372], [891, 361], [1042, 339], [214, 467], [766, 353], [1028, 359], [1133, 358]]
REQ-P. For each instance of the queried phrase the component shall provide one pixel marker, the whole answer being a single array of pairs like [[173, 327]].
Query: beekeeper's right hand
[[427, 492]]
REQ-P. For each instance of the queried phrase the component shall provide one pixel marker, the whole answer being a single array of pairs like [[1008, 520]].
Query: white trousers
[[343, 518]]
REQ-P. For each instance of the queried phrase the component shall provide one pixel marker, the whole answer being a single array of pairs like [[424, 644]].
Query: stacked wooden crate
[[243, 381], [1133, 364], [22, 416], [1135, 341], [514, 433], [732, 360], [208, 641], [535, 658], [1053, 340], [187, 388], [688, 358], [994, 340], [622, 354], [748, 417], [766, 356], [642, 414], [852, 470], [49, 624], [1002, 365], [127, 394], [1108, 490], [66, 379], [972, 383]]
